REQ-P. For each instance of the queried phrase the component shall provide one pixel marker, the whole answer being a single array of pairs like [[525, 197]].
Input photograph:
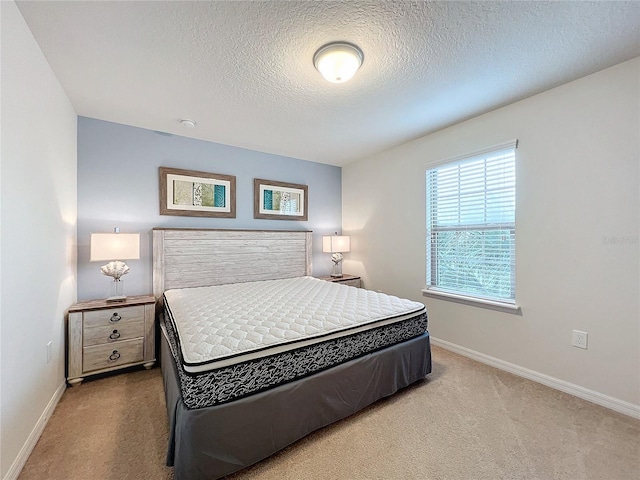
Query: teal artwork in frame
[[197, 194], [279, 200]]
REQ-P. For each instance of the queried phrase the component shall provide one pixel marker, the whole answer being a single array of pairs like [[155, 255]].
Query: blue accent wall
[[118, 186]]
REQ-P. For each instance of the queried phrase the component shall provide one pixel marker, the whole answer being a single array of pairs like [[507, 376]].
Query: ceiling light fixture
[[188, 123], [338, 61]]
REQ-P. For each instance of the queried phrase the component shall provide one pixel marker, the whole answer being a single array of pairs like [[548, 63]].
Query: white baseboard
[[27, 448], [592, 396]]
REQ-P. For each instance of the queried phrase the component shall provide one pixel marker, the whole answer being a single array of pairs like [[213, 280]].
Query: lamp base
[[116, 291], [337, 265]]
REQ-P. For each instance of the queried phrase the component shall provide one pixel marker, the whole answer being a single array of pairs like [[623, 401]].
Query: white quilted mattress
[[224, 325]]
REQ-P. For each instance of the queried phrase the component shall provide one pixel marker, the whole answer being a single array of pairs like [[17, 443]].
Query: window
[[471, 226]]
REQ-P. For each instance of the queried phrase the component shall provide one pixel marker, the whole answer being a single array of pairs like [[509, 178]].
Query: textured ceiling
[[243, 70]]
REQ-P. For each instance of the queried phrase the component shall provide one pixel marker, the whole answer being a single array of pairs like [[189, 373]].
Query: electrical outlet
[[49, 351], [580, 339]]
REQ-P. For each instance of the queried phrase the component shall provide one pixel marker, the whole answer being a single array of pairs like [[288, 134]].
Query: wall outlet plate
[[49, 351], [580, 339]]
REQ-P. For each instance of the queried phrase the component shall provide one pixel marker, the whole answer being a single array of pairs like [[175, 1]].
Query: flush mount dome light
[[338, 61]]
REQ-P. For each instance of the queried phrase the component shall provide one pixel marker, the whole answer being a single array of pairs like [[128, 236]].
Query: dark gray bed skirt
[[208, 443]]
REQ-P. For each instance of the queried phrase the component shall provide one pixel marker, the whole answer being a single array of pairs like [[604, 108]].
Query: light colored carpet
[[467, 421]]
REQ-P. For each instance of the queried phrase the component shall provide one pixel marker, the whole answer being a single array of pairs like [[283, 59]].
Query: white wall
[[38, 236], [576, 240]]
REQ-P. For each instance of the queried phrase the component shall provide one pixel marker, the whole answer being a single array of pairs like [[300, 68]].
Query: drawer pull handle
[[114, 356], [115, 335], [115, 318]]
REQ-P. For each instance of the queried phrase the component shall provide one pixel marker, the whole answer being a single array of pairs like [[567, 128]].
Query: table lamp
[[336, 245], [114, 248]]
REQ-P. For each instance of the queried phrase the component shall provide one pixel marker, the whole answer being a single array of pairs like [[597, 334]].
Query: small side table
[[102, 336], [346, 279]]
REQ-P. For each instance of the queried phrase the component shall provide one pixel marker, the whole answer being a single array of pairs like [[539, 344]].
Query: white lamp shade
[[336, 244], [338, 62], [115, 246]]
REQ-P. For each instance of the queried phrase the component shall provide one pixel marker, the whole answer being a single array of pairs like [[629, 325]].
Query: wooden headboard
[[200, 257]]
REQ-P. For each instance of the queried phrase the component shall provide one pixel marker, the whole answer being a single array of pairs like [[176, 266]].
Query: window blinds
[[471, 225]]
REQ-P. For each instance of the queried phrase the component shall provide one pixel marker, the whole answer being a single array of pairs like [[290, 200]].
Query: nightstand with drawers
[[351, 280], [106, 336]]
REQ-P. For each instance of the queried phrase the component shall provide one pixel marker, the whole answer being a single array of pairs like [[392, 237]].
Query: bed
[[256, 353]]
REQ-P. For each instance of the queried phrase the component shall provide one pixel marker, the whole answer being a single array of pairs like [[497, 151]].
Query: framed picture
[[197, 194], [279, 200]]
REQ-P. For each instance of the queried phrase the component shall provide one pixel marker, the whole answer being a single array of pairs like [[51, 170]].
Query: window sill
[[473, 301]]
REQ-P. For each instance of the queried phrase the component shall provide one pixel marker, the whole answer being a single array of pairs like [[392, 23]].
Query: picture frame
[[274, 200], [197, 194]]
